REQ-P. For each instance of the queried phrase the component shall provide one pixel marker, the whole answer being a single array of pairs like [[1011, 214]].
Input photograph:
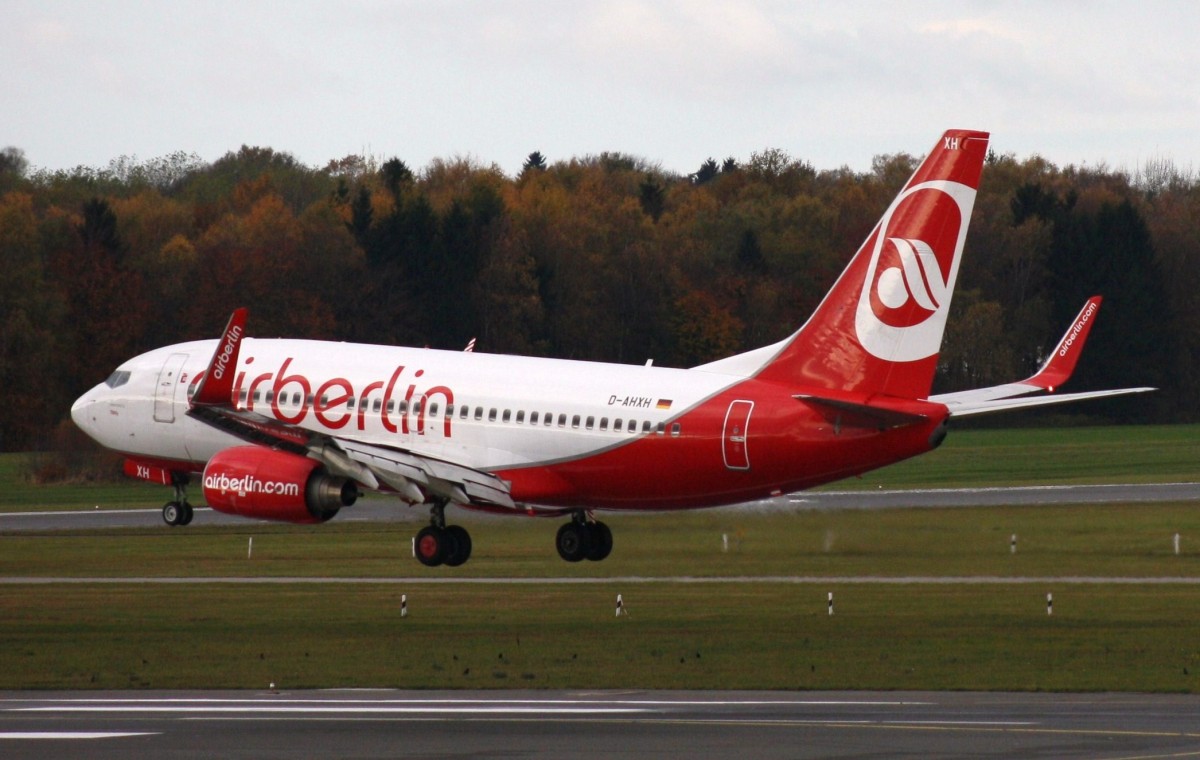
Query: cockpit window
[[117, 379]]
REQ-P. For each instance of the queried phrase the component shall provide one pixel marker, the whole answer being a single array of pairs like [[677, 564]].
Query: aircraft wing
[[414, 476], [1053, 373]]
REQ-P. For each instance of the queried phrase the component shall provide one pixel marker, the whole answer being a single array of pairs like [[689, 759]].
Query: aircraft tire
[[432, 543], [172, 513], [600, 541], [461, 550], [188, 514], [573, 542]]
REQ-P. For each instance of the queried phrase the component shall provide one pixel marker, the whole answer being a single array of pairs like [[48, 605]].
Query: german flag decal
[[663, 403]]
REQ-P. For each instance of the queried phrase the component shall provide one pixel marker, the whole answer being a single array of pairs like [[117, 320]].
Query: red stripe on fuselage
[[791, 446]]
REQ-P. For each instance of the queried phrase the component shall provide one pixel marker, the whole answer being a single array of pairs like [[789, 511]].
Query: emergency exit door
[[737, 423]]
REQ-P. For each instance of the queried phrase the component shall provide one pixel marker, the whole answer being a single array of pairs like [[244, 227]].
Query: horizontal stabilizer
[[851, 414], [1055, 371], [1002, 405]]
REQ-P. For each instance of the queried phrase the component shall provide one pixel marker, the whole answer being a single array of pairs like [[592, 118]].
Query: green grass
[[1045, 456], [744, 636], [1096, 540], [751, 634], [767, 634]]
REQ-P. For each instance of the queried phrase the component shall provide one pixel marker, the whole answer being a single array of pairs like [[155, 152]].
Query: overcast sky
[[1114, 83]]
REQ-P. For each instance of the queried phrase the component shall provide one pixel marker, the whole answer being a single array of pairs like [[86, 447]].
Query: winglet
[[216, 389], [1061, 363]]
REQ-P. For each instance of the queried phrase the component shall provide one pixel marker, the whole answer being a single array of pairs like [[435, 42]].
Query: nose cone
[[83, 412]]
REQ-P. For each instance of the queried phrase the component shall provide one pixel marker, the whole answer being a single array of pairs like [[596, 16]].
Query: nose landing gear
[[178, 511]]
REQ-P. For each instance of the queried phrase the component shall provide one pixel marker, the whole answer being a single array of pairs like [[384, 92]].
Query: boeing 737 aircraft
[[294, 430]]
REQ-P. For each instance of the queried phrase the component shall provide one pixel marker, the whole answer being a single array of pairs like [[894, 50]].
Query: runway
[[525, 724], [386, 510]]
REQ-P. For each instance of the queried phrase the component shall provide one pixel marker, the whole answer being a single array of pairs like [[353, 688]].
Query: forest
[[604, 257]]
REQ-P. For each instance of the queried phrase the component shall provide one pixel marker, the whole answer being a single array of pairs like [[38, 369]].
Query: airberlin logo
[[917, 277], [250, 484], [1080, 324], [222, 362], [910, 276]]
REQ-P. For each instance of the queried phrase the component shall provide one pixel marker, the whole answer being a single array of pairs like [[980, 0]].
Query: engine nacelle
[[253, 481]]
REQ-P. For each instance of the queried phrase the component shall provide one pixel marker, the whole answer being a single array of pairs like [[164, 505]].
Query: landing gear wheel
[[461, 541], [188, 514], [172, 513], [573, 541], [600, 540], [432, 544]]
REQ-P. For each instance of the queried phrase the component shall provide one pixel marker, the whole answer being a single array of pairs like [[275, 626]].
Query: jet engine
[[268, 484]]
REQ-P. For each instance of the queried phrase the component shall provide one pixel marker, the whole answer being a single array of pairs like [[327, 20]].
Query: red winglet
[[216, 389], [1062, 361]]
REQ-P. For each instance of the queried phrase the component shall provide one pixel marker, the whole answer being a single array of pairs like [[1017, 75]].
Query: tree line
[[602, 257]]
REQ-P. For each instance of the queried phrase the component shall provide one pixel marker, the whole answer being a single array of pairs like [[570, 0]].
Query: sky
[[1102, 84]]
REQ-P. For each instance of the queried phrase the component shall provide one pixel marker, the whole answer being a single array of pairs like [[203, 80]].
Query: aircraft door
[[168, 386], [737, 423]]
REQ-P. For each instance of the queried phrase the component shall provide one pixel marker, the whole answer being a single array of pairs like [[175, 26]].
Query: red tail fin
[[879, 329]]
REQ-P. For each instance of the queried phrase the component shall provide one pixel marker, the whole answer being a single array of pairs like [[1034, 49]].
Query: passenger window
[[575, 421], [675, 429], [549, 418], [562, 420], [296, 399], [591, 422], [377, 405], [520, 416], [604, 423], [433, 409], [403, 407], [242, 395], [646, 426], [533, 418], [617, 425], [492, 414], [416, 407], [464, 412], [660, 427], [478, 413], [349, 402], [506, 416]]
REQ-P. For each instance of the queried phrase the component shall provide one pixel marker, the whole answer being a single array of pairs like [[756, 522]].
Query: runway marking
[[59, 735], [985, 489], [901, 580], [334, 710]]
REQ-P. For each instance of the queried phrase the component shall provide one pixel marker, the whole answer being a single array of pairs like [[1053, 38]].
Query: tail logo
[[917, 276], [914, 261]]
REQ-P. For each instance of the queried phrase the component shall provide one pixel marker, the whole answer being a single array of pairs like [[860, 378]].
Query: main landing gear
[[178, 511], [441, 544], [582, 539]]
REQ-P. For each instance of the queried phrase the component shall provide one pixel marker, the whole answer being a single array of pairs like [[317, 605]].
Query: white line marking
[[330, 709], [38, 735]]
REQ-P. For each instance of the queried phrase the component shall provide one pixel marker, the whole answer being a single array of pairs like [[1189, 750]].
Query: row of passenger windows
[[467, 412]]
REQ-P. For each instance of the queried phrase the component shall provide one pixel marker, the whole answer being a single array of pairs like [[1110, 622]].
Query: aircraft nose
[[83, 412]]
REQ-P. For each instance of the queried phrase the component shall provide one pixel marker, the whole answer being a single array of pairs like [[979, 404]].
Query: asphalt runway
[[378, 723], [387, 510]]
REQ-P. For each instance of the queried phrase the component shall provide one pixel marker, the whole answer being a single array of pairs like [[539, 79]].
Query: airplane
[[295, 430]]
